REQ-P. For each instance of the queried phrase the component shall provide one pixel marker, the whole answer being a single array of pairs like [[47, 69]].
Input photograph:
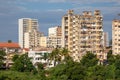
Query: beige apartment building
[[116, 36], [82, 33], [54, 37], [43, 41], [28, 33], [31, 39]]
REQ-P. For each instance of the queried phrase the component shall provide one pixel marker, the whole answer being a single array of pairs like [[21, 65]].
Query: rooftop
[[9, 45]]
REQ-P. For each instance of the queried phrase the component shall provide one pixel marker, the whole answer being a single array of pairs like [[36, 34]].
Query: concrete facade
[[28, 33], [82, 33], [116, 36], [43, 41], [54, 37]]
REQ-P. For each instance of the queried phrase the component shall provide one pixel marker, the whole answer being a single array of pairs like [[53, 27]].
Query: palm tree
[[55, 56], [65, 55], [59, 55], [65, 52]]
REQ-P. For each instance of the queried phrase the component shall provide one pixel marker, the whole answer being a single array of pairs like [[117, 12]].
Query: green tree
[[41, 71], [59, 55], [4, 77], [65, 55], [15, 57], [89, 60], [68, 71], [2, 54], [110, 72], [65, 52], [75, 71], [23, 64], [55, 56], [117, 67], [40, 66], [110, 58], [98, 73], [9, 41], [15, 75]]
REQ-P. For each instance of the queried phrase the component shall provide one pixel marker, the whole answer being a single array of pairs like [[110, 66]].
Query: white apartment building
[[52, 31], [82, 33], [116, 36], [38, 57], [54, 37], [28, 33]]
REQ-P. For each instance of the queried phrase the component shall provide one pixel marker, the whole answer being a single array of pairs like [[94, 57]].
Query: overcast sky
[[49, 13]]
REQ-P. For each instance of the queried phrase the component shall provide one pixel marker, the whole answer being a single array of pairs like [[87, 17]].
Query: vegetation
[[59, 55], [2, 54], [89, 60], [15, 57], [9, 41], [15, 75], [67, 69], [23, 64]]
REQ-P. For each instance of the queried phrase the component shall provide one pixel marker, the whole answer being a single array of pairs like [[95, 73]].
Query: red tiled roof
[[26, 49], [9, 45]]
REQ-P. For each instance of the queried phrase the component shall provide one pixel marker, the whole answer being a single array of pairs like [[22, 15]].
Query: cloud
[[104, 10], [49, 1], [57, 1], [12, 10], [56, 10], [92, 1], [73, 1]]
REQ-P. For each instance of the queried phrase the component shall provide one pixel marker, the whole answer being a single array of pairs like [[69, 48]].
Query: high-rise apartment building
[[54, 37], [116, 36], [28, 33], [82, 33], [105, 39]]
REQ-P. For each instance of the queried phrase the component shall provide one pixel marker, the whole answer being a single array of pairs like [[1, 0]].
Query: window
[[118, 39]]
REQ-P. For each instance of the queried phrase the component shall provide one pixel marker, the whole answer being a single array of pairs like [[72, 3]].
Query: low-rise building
[[10, 49], [40, 56]]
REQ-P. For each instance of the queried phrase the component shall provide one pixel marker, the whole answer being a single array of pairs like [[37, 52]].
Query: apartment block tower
[[28, 33], [54, 37], [116, 36], [105, 39], [82, 33]]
